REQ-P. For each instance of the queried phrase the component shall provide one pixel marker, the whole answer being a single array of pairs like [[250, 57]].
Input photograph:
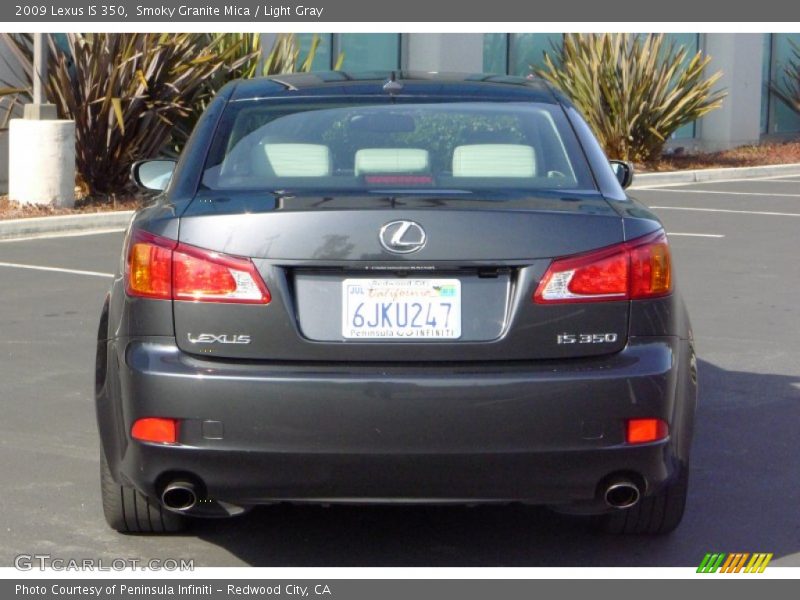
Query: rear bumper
[[546, 433]]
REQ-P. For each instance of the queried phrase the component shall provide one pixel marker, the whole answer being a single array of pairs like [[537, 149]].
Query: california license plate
[[401, 309]]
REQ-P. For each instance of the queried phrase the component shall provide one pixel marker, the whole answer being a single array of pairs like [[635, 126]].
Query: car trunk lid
[[488, 254]]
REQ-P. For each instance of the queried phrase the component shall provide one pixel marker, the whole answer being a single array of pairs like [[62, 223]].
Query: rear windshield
[[375, 145]]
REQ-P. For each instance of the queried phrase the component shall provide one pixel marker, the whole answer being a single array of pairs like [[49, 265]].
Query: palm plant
[[243, 52], [18, 62], [126, 93], [634, 90]]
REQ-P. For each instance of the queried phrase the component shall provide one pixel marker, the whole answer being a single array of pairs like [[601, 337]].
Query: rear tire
[[653, 515], [129, 511]]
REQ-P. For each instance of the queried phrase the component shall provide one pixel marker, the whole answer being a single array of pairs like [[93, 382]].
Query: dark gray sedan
[[393, 287]]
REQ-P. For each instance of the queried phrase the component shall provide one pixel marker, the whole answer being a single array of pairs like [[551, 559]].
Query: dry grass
[[743, 156], [14, 210]]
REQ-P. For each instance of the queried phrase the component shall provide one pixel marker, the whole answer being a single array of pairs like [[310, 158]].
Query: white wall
[[444, 52], [738, 121]]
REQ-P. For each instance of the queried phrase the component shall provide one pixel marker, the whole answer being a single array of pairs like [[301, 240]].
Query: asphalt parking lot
[[737, 250]]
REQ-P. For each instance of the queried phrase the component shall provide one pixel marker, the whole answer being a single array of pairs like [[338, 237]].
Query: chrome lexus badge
[[402, 237]]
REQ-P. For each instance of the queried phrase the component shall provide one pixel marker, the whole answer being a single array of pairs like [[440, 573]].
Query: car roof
[[408, 83]]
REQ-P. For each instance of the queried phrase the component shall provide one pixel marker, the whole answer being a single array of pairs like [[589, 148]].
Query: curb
[[36, 226], [700, 175]]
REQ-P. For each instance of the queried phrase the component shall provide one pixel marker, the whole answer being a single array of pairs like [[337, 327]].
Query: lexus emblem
[[402, 237]]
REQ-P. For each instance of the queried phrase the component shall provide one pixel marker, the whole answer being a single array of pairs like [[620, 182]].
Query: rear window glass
[[445, 146]]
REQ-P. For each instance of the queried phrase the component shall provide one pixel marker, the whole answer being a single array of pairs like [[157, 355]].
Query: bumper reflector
[[153, 429], [641, 431]]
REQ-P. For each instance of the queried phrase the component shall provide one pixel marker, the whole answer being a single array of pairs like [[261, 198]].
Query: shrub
[[634, 90]]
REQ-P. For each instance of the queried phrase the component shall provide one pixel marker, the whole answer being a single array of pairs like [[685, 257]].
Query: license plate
[[401, 309]]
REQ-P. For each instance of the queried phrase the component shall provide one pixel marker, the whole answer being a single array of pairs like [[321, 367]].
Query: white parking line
[[727, 193], [55, 270], [702, 235], [42, 236], [725, 210], [666, 185]]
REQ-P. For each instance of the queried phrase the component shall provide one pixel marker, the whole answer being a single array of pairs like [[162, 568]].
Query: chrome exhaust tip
[[622, 494], [179, 496]]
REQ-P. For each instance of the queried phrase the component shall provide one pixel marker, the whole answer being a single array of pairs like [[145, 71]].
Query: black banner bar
[[445, 11], [405, 589]]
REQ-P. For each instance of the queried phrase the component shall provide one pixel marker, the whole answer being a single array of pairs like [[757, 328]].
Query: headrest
[[494, 160], [298, 160], [391, 160]]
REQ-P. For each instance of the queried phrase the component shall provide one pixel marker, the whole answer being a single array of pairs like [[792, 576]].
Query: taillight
[[149, 266], [631, 270], [162, 268], [642, 431], [207, 276], [651, 269], [155, 429]]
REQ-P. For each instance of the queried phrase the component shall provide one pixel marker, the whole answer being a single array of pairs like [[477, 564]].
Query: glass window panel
[[322, 59], [766, 57], [691, 42], [495, 47], [781, 118], [369, 51], [527, 49]]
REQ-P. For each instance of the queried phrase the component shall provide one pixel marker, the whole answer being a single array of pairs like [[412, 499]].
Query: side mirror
[[624, 172], [152, 175]]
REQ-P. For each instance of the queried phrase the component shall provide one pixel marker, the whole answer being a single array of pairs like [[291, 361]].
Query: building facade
[[748, 61]]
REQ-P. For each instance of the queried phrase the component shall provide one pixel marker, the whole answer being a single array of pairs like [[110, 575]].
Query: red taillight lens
[[641, 431], [149, 266], [154, 429], [206, 276], [636, 269], [651, 268], [161, 268]]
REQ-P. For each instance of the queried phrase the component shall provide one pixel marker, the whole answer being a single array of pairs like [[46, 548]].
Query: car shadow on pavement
[[744, 497]]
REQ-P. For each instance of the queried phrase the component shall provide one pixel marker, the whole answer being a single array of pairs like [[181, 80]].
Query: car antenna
[[392, 86]]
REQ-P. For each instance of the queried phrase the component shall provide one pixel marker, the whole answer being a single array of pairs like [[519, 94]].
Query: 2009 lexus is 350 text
[[400, 288]]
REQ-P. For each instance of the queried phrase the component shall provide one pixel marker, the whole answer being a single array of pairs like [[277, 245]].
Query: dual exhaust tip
[[621, 493], [179, 496]]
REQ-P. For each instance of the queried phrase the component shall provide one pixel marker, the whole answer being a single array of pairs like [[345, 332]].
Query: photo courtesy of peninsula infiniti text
[[393, 287]]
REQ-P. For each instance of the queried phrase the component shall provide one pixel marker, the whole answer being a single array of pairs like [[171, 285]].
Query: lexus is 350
[[393, 288]]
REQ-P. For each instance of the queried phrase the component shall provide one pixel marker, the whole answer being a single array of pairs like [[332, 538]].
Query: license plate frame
[[401, 309]]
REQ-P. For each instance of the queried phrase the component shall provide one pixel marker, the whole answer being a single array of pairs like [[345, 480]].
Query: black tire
[[129, 511], [653, 515]]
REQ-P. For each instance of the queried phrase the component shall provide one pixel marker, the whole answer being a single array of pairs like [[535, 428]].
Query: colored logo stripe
[[710, 563], [734, 563], [758, 563]]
